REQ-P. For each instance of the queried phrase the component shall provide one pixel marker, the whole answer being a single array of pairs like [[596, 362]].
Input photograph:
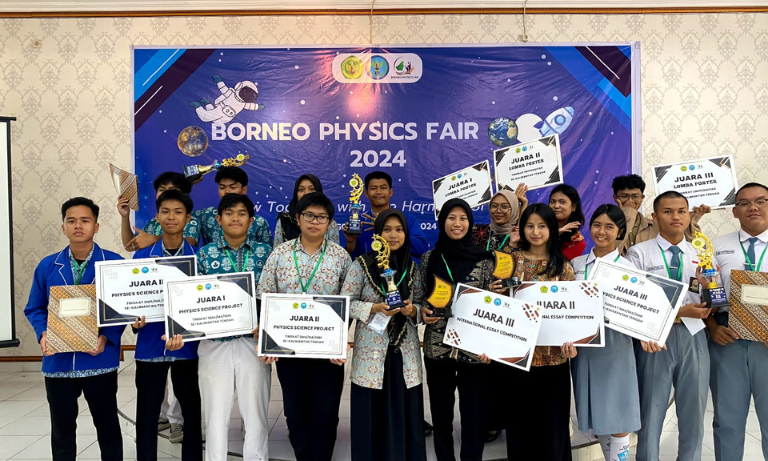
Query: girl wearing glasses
[[564, 200], [502, 232], [387, 402], [287, 228], [605, 378]]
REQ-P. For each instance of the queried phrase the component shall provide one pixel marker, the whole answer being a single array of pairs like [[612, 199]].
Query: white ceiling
[[39, 6]]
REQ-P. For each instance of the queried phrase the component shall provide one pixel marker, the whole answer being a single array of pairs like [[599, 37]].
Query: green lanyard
[[245, 263], [384, 289], [304, 288], [487, 245], [78, 271], [448, 269], [679, 269], [586, 266], [746, 256]]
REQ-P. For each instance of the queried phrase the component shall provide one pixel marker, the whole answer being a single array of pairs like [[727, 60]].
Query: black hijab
[[288, 219], [461, 256]]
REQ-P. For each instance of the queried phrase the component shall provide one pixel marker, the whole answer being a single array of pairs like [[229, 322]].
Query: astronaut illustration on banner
[[231, 102]]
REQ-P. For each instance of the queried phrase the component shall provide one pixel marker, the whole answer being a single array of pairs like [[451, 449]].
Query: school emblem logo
[[554, 289], [295, 305], [625, 277], [135, 270], [487, 300], [352, 67], [544, 289], [144, 270], [497, 302], [207, 286], [215, 265], [303, 305], [199, 288]]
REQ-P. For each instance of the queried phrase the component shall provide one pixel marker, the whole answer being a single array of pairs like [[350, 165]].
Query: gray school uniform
[[605, 378], [684, 364], [738, 370]]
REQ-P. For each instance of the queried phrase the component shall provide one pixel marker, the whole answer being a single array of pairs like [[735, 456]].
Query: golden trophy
[[195, 172], [354, 225], [441, 298], [392, 293], [504, 269], [713, 295]]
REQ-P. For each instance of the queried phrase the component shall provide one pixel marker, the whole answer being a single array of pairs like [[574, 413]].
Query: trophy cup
[[195, 172], [381, 246], [713, 295], [504, 270], [354, 225], [441, 298]]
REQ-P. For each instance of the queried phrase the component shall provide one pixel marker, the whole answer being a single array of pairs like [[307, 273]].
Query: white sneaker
[[177, 433]]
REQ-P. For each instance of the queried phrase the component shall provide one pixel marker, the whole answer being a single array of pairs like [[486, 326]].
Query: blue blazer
[[148, 344], [55, 270]]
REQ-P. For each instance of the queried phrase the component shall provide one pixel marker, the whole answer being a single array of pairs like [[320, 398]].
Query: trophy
[[441, 298], [713, 295], [381, 246], [504, 270], [354, 225], [195, 172]]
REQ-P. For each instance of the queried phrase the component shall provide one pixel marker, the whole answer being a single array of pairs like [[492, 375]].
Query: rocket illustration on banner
[[531, 126]]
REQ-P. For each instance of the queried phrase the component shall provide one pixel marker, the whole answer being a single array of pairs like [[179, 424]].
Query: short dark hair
[[175, 195], [377, 175], [615, 214], [555, 258], [230, 200], [630, 181], [668, 194], [171, 177], [750, 185], [315, 199], [234, 173], [79, 201]]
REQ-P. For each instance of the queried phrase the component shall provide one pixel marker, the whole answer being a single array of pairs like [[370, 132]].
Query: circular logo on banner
[[544, 289], [379, 67], [303, 305], [633, 280], [497, 302], [487, 300], [207, 286], [625, 277], [144, 270], [352, 67], [135, 270], [683, 168], [554, 289], [199, 288], [295, 305]]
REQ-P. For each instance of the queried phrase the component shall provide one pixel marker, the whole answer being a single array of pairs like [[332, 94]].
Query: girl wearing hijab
[[605, 378], [287, 228], [387, 400], [566, 203], [543, 433], [455, 259], [502, 233]]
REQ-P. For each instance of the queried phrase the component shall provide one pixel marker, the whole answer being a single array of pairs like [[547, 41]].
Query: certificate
[[472, 184], [304, 326], [710, 181], [570, 312], [749, 305], [130, 288], [72, 319], [536, 163], [498, 326], [637, 303], [210, 306]]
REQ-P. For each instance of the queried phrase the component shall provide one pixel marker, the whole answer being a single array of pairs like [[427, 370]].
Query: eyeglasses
[[309, 217], [496, 206], [746, 204], [633, 197]]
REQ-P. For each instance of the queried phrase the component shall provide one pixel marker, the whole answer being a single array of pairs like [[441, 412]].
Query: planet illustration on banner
[[192, 141], [502, 132]]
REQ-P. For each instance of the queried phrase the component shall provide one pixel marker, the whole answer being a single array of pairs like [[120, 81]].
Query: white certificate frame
[[612, 275], [502, 162], [143, 269], [209, 284], [271, 303], [721, 167], [481, 170]]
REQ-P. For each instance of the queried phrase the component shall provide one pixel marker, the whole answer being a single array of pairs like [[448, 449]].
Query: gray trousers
[[684, 365], [738, 371]]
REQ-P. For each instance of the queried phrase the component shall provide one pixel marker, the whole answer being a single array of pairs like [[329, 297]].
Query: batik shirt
[[213, 259], [191, 229], [210, 230]]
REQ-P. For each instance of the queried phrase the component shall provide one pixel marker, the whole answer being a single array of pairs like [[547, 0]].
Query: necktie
[[751, 255], [674, 263]]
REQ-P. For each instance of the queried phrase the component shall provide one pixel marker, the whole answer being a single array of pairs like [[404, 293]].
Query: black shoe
[[427, 429], [491, 436]]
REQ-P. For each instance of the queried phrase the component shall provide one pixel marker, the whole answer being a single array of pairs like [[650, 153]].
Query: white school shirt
[[647, 256], [580, 263], [729, 255]]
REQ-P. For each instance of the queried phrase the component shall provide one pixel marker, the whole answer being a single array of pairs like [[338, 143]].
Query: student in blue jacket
[[154, 357], [69, 374]]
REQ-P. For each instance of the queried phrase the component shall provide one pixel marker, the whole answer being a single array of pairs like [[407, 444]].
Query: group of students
[[622, 388]]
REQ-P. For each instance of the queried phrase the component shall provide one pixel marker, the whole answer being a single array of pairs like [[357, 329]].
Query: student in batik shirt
[[231, 180], [229, 364], [151, 233], [311, 387], [155, 356], [70, 374]]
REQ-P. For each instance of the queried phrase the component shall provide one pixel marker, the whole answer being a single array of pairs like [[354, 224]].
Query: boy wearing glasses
[[309, 264], [739, 368], [628, 194]]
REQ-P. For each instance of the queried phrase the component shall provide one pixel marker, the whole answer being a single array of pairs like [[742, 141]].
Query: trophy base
[[394, 301], [191, 171], [354, 227], [715, 297], [512, 282], [442, 312]]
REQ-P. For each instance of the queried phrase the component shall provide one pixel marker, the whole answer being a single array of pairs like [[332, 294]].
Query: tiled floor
[[25, 425]]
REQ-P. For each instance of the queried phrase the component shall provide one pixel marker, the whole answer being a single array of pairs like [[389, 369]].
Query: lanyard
[[746, 256], [245, 263], [487, 245], [586, 266], [679, 269], [448, 269], [405, 272], [304, 288], [78, 271]]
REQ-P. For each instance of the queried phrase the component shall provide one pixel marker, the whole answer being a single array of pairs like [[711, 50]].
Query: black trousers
[[443, 377], [537, 428], [311, 398], [101, 394], [151, 379]]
